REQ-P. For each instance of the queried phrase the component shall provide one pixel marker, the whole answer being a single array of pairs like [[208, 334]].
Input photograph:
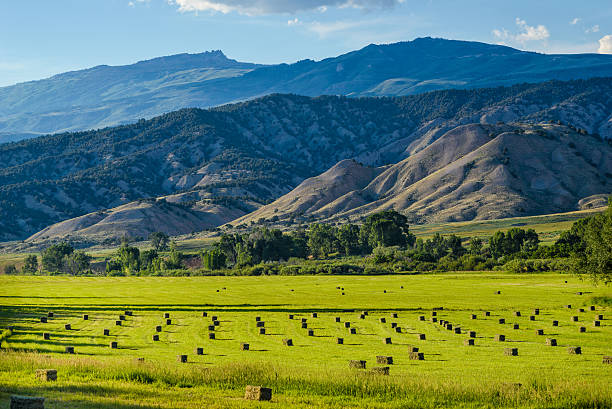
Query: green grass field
[[314, 372]]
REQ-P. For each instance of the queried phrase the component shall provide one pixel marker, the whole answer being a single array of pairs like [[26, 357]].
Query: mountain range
[[442, 155], [111, 95]]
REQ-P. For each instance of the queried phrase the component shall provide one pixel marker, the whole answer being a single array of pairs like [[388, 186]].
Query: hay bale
[[260, 324], [382, 320], [158, 328], [262, 331], [166, 315], [398, 330], [607, 360], [258, 393], [380, 370], [515, 326], [421, 318], [339, 341], [85, 317], [182, 358], [212, 328], [502, 321], [118, 323], [552, 342], [314, 315], [582, 329], [574, 350], [592, 308], [67, 327], [128, 313], [413, 349], [581, 310], [511, 351], [214, 318], [596, 323], [555, 323], [290, 316], [361, 317], [532, 318], [199, 351], [43, 320], [357, 364], [416, 356], [384, 360], [216, 323], [46, 336], [155, 337], [500, 338], [600, 317], [257, 319], [434, 319], [387, 341], [27, 402], [457, 330], [517, 313], [304, 320], [211, 335], [498, 292], [311, 333], [579, 293], [434, 313], [449, 327], [394, 315], [113, 344], [539, 332], [337, 319], [536, 311], [244, 346], [473, 316], [69, 350], [288, 342], [106, 332], [472, 334], [168, 322], [353, 331], [487, 313], [47, 375], [304, 325], [347, 324], [468, 342], [50, 314], [394, 325], [568, 306], [365, 312]]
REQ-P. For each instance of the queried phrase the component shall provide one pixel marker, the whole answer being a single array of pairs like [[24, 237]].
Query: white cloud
[[259, 7], [575, 21], [605, 45], [594, 29], [294, 22], [525, 34]]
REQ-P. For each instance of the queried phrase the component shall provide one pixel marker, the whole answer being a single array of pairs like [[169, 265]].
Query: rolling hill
[[105, 96], [231, 160]]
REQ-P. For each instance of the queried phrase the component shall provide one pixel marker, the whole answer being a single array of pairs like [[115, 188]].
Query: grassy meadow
[[314, 371]]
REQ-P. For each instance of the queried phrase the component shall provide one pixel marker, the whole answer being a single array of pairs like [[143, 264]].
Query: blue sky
[[39, 38]]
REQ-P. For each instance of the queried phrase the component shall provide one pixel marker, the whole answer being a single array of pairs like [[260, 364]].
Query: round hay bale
[[498, 292], [551, 342], [472, 334], [574, 350], [211, 335], [85, 317], [182, 358], [113, 344], [69, 350], [500, 338], [387, 341], [244, 346], [468, 342], [340, 341], [106, 332], [155, 337], [288, 342], [199, 351]]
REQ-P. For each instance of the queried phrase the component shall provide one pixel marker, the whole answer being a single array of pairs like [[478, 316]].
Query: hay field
[[314, 372]]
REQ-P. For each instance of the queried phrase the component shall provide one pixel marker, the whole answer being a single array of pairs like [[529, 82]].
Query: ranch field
[[314, 372]]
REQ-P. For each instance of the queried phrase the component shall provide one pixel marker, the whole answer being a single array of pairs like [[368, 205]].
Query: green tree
[[322, 239], [386, 229], [77, 262], [596, 259], [10, 269], [30, 265], [129, 258], [159, 240], [348, 239], [213, 259], [53, 257]]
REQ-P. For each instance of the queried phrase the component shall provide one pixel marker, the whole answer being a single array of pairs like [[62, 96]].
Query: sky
[[40, 38]]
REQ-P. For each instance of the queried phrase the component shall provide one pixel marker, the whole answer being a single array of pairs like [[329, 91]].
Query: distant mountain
[[472, 172], [105, 96], [223, 163]]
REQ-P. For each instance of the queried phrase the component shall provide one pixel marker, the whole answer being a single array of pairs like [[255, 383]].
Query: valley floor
[[314, 371]]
